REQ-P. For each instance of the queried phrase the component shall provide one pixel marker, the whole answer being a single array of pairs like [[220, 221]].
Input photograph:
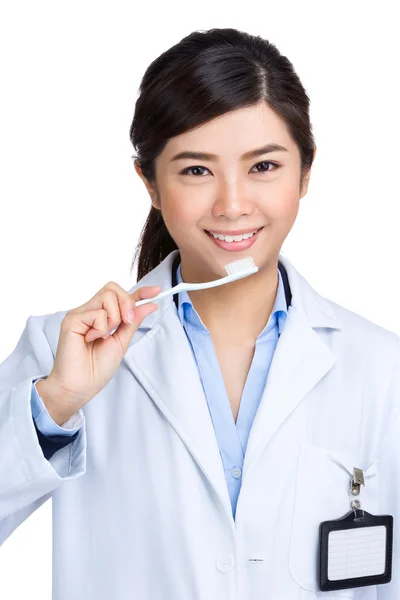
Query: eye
[[265, 162], [186, 171]]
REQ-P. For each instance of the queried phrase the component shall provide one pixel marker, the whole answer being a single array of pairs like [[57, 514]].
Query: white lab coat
[[140, 504]]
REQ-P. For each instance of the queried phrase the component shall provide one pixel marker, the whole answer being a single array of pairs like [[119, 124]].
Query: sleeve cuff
[[45, 423]]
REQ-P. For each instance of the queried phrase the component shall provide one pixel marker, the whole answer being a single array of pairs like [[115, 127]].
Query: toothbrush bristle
[[240, 265]]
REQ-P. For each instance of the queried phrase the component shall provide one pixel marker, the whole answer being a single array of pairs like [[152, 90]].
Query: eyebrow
[[245, 156]]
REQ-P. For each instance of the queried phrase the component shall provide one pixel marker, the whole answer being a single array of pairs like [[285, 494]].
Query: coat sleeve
[[52, 443], [27, 477], [389, 470]]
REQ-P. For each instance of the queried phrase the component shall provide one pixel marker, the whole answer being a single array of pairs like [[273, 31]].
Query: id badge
[[355, 550]]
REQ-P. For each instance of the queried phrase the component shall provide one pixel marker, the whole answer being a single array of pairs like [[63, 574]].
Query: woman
[[194, 453]]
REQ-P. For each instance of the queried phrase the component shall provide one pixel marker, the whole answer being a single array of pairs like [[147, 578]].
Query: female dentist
[[234, 443]]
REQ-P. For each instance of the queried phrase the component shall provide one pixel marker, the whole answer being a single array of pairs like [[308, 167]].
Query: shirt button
[[225, 563], [236, 472]]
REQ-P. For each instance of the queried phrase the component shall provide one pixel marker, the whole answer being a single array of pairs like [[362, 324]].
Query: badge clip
[[356, 483]]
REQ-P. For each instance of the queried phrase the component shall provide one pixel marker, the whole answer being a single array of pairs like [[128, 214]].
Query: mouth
[[235, 246]]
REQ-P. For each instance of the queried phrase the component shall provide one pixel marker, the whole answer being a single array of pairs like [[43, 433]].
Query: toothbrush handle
[[172, 290], [145, 301], [188, 286]]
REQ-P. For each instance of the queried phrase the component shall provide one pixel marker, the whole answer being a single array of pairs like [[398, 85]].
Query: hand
[[86, 359]]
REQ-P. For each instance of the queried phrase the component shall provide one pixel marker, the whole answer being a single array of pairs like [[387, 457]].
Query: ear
[[150, 188], [306, 179], [304, 183]]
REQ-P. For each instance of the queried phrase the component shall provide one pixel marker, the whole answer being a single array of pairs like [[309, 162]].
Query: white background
[[72, 206]]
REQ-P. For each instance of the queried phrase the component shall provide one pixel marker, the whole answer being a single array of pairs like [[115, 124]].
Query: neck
[[238, 311]]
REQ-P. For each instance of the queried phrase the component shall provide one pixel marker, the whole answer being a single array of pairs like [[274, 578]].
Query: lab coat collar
[[161, 360], [313, 307]]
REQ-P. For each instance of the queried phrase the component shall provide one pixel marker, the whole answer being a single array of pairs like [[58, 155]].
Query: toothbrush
[[236, 270]]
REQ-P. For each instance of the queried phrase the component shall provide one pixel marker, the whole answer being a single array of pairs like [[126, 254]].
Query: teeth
[[233, 238]]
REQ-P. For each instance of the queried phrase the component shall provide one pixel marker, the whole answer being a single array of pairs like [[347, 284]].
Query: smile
[[246, 241]]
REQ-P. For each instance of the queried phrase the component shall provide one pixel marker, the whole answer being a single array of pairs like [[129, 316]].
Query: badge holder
[[356, 550]]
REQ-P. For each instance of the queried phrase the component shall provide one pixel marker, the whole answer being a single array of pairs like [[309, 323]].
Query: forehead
[[234, 133]]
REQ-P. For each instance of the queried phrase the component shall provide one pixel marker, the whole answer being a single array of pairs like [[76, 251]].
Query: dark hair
[[205, 75]]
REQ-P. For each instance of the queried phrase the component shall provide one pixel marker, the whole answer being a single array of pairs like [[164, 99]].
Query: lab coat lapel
[[161, 359], [163, 363], [300, 361]]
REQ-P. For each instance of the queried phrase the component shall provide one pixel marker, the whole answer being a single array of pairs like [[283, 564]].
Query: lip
[[235, 246], [238, 232]]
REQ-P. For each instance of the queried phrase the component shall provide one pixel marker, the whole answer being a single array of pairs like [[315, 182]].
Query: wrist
[[56, 405]]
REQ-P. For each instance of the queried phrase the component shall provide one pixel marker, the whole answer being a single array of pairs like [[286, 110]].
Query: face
[[229, 192]]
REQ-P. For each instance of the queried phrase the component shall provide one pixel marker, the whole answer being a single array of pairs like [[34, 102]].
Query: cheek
[[179, 214], [283, 204]]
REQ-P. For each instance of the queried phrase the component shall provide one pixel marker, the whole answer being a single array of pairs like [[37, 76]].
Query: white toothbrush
[[236, 270]]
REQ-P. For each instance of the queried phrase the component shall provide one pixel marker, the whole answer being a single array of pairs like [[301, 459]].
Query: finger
[[145, 292], [126, 301], [117, 303], [123, 296], [139, 294], [108, 316], [97, 326], [89, 323], [126, 330]]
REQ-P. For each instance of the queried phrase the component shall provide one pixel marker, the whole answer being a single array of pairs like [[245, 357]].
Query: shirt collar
[[186, 310]]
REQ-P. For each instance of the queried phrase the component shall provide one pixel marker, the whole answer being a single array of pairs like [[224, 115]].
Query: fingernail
[[130, 316]]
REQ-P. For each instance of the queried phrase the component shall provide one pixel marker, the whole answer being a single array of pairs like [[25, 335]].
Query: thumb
[[141, 312], [126, 330]]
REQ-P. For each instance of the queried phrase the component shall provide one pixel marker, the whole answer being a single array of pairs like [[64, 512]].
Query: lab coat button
[[225, 563], [236, 472]]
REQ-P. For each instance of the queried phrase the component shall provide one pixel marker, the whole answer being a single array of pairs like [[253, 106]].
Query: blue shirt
[[231, 437]]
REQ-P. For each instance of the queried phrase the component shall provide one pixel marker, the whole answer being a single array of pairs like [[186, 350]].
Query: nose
[[232, 202]]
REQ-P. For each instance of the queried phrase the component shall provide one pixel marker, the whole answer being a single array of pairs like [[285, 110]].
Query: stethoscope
[[288, 293]]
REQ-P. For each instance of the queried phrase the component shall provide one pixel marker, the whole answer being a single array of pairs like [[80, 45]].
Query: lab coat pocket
[[322, 494]]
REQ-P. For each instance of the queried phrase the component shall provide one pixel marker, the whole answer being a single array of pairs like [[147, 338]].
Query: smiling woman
[[210, 442], [219, 100]]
